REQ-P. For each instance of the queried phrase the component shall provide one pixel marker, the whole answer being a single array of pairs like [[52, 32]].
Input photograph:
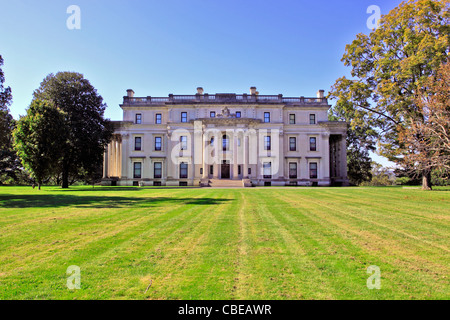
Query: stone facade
[[198, 139]]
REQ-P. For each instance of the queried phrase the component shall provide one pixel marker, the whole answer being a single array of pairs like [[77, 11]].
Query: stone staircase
[[221, 183]]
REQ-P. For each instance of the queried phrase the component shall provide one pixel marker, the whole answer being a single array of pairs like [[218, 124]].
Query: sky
[[292, 47]]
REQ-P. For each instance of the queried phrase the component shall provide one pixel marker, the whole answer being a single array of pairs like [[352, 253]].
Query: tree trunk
[[426, 181], [39, 186], [65, 178]]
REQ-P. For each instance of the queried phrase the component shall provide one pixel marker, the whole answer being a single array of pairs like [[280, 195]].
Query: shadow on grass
[[66, 200]]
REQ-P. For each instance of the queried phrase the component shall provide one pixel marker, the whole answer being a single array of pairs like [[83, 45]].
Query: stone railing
[[223, 98]]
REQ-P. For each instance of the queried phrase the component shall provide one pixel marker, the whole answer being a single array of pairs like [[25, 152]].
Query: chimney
[[252, 90], [199, 90], [321, 94], [130, 93]]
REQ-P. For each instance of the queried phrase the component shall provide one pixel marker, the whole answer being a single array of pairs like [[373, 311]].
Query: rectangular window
[[292, 170], [238, 114], [183, 170], [157, 183], [225, 143], [312, 144], [267, 143], [212, 114], [266, 116], [183, 184], [292, 144], [201, 170], [267, 170], [184, 117], [183, 141], [158, 143], [313, 170], [137, 143], [239, 169], [138, 118], [158, 119], [292, 119], [249, 171], [211, 169], [312, 119], [137, 168], [157, 170]]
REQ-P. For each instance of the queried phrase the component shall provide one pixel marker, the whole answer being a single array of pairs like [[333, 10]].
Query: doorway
[[225, 170]]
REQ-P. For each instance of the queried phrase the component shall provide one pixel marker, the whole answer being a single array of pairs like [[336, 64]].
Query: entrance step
[[225, 183]]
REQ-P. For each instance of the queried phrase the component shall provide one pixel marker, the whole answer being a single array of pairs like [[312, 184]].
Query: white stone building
[[226, 140]]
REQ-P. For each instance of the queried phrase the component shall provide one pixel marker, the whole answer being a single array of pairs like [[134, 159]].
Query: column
[[235, 175], [245, 152]]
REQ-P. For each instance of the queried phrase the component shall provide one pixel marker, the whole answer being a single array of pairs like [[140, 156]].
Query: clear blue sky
[[159, 47]]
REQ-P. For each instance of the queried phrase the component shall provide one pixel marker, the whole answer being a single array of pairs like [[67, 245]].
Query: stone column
[[245, 154], [124, 157], [234, 156], [343, 156], [280, 155]]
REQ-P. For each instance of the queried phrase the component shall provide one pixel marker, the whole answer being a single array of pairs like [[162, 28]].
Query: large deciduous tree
[[38, 138], [9, 163], [389, 67], [428, 137], [87, 130]]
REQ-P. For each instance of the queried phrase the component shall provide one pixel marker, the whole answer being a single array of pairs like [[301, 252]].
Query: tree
[[9, 163], [87, 131], [38, 139], [428, 137], [390, 65]]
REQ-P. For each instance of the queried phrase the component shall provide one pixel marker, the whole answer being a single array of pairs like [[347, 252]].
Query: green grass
[[264, 243]]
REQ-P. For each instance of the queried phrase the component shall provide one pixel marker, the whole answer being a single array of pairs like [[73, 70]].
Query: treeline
[[62, 137], [397, 101]]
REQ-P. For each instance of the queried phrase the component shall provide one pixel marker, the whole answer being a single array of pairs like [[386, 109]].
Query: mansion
[[226, 140]]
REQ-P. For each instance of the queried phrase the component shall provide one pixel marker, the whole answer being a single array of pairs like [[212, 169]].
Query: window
[[158, 119], [292, 119], [157, 183], [292, 144], [183, 184], [266, 116], [239, 169], [158, 143], [183, 141], [313, 170], [292, 170], [183, 170], [212, 114], [249, 171], [138, 143], [225, 143], [312, 144], [312, 119], [238, 114], [267, 170], [184, 117], [211, 169], [211, 142], [267, 143], [201, 170], [157, 170], [137, 168], [138, 118]]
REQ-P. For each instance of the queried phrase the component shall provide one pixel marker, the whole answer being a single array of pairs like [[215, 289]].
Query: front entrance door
[[225, 171]]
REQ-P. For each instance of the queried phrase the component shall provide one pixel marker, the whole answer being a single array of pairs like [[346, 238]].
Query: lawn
[[260, 243]]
